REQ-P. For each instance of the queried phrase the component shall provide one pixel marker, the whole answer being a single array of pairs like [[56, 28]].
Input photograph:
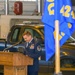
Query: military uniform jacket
[[33, 50]]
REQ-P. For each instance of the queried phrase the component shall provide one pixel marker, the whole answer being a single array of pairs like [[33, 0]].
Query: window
[[15, 35]]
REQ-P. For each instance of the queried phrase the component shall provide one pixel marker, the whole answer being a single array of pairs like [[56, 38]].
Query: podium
[[15, 63]]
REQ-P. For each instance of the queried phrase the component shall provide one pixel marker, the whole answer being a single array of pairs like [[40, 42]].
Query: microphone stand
[[5, 50]]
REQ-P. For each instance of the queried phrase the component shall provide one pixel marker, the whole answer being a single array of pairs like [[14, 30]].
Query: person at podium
[[33, 50]]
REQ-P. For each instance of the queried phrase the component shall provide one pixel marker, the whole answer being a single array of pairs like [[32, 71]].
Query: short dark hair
[[27, 33]]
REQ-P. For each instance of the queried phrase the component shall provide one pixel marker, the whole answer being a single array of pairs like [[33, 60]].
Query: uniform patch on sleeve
[[39, 48]]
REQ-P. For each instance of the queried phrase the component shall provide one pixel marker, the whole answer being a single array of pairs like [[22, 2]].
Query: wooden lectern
[[15, 63]]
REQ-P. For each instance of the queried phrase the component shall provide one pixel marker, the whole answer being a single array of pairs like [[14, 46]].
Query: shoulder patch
[[39, 48]]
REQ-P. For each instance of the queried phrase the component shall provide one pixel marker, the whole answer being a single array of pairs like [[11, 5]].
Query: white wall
[[28, 7], [7, 21]]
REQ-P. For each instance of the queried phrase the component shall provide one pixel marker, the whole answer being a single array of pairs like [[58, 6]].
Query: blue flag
[[57, 10]]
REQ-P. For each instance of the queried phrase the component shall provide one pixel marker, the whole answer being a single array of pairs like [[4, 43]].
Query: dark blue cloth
[[33, 50], [34, 73]]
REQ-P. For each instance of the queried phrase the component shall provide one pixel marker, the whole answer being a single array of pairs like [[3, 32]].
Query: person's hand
[[21, 49], [26, 55]]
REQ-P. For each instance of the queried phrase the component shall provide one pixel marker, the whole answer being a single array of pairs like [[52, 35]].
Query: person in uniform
[[33, 50]]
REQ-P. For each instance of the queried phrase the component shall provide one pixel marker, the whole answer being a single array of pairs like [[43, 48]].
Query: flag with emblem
[[60, 10]]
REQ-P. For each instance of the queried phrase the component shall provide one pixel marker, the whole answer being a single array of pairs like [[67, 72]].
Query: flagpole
[[57, 49]]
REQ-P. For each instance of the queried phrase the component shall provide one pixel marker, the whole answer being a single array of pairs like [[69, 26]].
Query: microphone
[[5, 50]]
